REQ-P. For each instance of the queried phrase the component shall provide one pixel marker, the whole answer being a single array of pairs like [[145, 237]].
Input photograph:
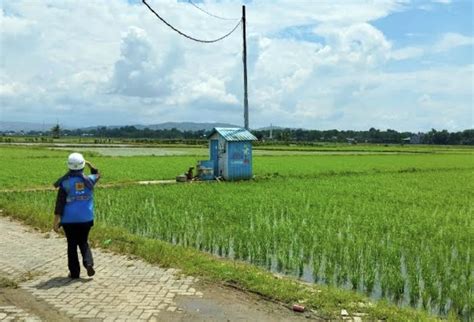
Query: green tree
[[56, 131]]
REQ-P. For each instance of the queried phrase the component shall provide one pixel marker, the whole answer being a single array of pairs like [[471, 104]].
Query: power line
[[187, 36], [210, 14]]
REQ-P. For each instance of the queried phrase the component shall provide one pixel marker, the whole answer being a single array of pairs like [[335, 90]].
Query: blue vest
[[79, 203]]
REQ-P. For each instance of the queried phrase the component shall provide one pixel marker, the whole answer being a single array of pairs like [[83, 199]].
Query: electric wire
[[185, 35], [210, 14]]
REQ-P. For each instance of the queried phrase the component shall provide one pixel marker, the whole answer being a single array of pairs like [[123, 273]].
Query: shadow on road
[[60, 282]]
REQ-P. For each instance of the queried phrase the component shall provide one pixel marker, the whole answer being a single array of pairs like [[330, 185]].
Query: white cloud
[[407, 53], [15, 26], [451, 40], [359, 43], [136, 73], [118, 63], [11, 89], [444, 43]]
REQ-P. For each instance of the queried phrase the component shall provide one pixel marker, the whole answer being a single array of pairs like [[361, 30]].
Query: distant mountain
[[24, 126], [188, 126], [182, 126]]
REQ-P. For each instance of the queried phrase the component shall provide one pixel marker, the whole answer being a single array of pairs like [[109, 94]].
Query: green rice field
[[391, 226]]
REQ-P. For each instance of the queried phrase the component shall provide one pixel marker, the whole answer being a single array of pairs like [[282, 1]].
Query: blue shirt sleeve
[[94, 178]]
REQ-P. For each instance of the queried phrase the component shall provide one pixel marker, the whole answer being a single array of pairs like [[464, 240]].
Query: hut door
[[215, 156]]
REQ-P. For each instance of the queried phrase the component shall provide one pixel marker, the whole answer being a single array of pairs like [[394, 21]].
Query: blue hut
[[231, 152]]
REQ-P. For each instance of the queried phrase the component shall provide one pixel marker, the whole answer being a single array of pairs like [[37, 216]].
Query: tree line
[[372, 135], [286, 135]]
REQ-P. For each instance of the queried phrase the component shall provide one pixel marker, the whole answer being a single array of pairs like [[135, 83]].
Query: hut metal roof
[[234, 134]]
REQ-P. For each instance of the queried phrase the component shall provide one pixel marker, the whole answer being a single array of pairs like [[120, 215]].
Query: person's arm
[[58, 210], [94, 170]]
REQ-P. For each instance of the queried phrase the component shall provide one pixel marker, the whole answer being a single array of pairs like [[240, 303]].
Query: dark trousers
[[77, 235]]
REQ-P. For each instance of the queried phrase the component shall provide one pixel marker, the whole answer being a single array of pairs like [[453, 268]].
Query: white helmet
[[76, 161]]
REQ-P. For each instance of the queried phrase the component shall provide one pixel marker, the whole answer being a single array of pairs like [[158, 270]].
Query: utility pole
[[246, 99]]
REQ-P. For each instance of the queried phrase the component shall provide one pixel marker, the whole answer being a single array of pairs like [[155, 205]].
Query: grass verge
[[326, 302], [7, 283]]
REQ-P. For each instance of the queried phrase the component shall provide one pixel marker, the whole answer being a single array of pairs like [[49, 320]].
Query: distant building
[[416, 138]]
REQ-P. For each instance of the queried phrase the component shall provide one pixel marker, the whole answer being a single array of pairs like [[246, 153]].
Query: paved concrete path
[[125, 289], [122, 289], [13, 313]]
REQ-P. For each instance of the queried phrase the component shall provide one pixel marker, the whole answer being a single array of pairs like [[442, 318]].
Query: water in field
[[137, 151], [402, 289], [415, 281]]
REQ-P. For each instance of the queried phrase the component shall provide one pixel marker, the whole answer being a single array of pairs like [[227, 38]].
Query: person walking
[[74, 211]]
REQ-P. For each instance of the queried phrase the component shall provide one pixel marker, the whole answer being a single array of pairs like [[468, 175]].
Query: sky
[[347, 65]]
